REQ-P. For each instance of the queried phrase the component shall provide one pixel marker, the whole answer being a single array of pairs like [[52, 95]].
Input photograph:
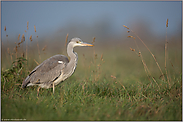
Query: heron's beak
[[86, 44]]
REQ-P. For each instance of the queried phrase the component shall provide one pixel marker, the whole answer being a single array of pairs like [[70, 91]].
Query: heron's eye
[[77, 41]]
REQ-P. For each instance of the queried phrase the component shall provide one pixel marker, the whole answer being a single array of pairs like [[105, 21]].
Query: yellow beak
[[86, 44]]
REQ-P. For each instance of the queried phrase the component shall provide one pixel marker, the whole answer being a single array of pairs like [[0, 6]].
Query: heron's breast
[[64, 76], [66, 72]]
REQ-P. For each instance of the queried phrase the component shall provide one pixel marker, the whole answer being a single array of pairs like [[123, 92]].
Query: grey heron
[[55, 69]]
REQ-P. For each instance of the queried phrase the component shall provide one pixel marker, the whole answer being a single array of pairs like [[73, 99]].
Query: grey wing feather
[[47, 71]]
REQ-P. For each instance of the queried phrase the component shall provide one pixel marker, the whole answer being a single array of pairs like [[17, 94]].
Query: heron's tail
[[23, 85]]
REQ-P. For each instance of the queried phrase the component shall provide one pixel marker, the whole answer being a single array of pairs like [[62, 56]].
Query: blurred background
[[102, 20]]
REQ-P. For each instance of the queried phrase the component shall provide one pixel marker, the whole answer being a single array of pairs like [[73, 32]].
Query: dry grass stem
[[101, 58], [140, 55], [38, 50], [95, 55], [148, 50], [9, 52], [66, 40], [125, 90], [27, 25], [147, 71], [16, 50], [22, 40], [44, 48], [37, 43], [18, 37], [93, 40], [166, 56], [36, 62], [27, 39], [172, 64]]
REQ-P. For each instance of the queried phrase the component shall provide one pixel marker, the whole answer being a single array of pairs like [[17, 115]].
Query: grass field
[[108, 84]]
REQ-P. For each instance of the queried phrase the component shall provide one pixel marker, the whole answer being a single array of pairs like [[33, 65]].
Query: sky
[[49, 17]]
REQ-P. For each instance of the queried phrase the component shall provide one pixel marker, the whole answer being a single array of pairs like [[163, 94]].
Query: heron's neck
[[73, 58]]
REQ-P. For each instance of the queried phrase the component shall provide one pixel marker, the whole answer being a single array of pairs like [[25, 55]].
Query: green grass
[[110, 83], [92, 94]]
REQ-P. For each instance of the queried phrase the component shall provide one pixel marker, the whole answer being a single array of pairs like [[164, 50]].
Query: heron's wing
[[48, 70]]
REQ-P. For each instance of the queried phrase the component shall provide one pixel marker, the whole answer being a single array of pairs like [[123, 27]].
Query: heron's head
[[78, 42]]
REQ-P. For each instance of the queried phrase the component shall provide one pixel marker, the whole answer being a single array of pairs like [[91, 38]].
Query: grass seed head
[[23, 38], [4, 28], [132, 49], [30, 38], [19, 44], [34, 28], [101, 58], [44, 48], [139, 54], [130, 36], [93, 40], [95, 56], [125, 26], [112, 76], [27, 25], [167, 23], [19, 37]]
